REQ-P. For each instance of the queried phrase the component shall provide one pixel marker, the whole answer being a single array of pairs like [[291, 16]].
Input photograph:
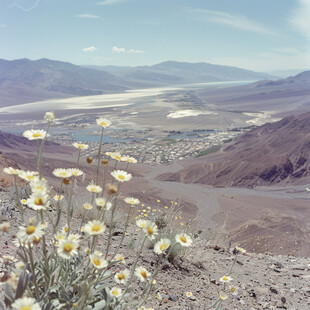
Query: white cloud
[[90, 49], [86, 15], [118, 50], [300, 17], [110, 2], [234, 20], [136, 51], [32, 4]]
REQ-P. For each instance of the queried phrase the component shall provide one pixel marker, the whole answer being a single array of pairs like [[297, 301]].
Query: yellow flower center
[[66, 229], [163, 246], [150, 230], [143, 273], [120, 258], [40, 188], [115, 292], [96, 261], [25, 308], [30, 177], [225, 278], [183, 239], [96, 228], [121, 276], [80, 146], [30, 229], [121, 177], [118, 157], [36, 240], [103, 124], [63, 174], [233, 289], [37, 135], [39, 202], [131, 202], [68, 247]]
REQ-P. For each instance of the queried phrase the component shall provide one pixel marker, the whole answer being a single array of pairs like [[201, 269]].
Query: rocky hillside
[[23, 81], [276, 153]]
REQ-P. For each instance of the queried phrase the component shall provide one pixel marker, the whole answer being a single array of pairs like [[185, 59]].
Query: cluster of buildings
[[161, 147]]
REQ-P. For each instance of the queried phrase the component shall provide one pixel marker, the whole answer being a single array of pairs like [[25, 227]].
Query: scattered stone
[[173, 297], [273, 290]]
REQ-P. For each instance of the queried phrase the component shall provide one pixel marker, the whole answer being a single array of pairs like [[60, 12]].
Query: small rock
[[283, 299], [273, 290], [173, 297], [165, 300]]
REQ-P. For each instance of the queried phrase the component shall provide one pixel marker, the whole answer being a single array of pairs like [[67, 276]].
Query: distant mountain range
[[24, 80], [283, 96], [173, 72], [275, 153]]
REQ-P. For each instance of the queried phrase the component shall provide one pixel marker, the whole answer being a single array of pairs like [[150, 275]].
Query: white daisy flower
[[142, 273], [184, 239], [161, 246], [95, 189], [131, 160], [35, 134], [5, 226], [24, 201], [28, 175], [103, 122], [115, 292], [30, 233], [11, 170], [122, 276], [76, 172], [116, 156], [100, 202], [19, 265], [58, 197], [132, 201], [88, 206], [151, 230], [95, 227], [141, 223], [39, 185], [38, 201], [226, 279], [25, 303], [62, 173], [233, 290], [223, 295], [120, 258], [67, 248], [80, 146], [49, 116], [97, 261], [240, 250], [188, 294], [121, 176], [60, 236]]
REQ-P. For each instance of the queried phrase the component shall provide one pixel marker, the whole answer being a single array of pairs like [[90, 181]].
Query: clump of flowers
[[67, 266]]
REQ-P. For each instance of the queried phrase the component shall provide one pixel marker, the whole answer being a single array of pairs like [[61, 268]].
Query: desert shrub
[[68, 257]]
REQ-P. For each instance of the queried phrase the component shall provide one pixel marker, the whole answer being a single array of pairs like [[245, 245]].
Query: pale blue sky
[[261, 35]]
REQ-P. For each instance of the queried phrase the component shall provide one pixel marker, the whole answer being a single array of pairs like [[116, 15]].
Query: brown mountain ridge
[[275, 153]]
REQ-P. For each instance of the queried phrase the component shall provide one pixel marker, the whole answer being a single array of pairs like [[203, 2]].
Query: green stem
[[33, 271], [99, 155], [40, 151], [20, 207], [123, 236]]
